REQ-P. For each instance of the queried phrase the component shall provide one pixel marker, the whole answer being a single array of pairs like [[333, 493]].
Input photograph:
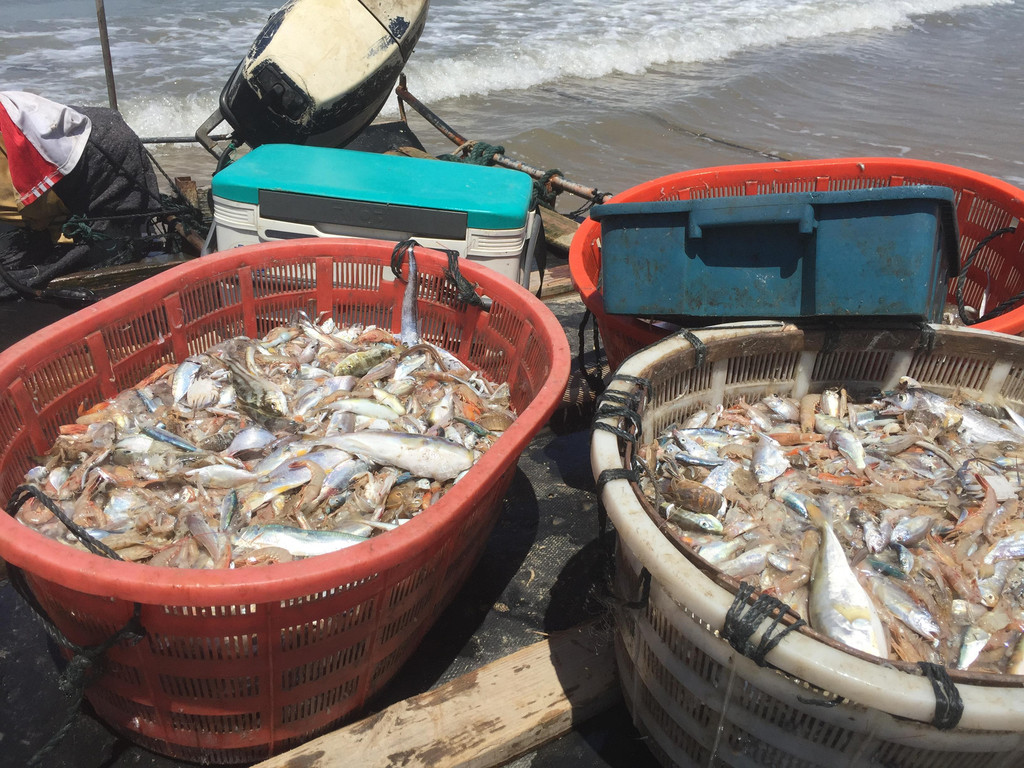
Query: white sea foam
[[469, 47], [590, 40]]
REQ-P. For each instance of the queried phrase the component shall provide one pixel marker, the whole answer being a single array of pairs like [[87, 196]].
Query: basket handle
[[801, 214]]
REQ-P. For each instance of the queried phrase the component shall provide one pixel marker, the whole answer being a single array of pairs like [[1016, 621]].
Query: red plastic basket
[[983, 205], [236, 665]]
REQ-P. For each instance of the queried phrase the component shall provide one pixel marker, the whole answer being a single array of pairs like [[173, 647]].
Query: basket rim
[[869, 683], [589, 230], [92, 574]]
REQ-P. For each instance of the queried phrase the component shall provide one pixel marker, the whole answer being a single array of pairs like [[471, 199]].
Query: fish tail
[[409, 333], [816, 515]]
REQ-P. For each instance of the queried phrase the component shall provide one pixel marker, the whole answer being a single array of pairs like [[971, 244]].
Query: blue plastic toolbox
[[866, 252]]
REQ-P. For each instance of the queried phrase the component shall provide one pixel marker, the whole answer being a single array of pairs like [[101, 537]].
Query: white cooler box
[[281, 191]]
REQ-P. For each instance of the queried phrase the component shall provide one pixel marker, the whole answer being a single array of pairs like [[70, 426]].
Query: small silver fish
[[220, 476], [687, 519], [991, 588], [422, 455], [364, 406], [298, 541], [830, 400], [911, 531], [847, 443], [904, 608], [748, 563], [251, 438], [184, 374], [769, 462], [974, 641], [1007, 548], [717, 551], [785, 408]]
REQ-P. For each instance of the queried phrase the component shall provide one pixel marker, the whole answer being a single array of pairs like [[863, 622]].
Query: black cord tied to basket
[[628, 399], [604, 536], [833, 335], [617, 431], [961, 276], [700, 349], [631, 399], [623, 405], [465, 290], [24, 492], [398, 253], [82, 668], [593, 378], [628, 414], [949, 706], [743, 619], [927, 340], [616, 473]]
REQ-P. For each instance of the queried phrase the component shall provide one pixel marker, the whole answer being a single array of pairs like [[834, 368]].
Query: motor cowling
[[319, 71]]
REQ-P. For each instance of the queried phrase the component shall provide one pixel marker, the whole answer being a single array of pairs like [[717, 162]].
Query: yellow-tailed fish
[[838, 605]]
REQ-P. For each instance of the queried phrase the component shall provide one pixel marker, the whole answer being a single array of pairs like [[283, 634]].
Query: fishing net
[[115, 201]]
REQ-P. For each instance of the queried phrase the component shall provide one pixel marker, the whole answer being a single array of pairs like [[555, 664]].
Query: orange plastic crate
[[983, 205], [236, 665]]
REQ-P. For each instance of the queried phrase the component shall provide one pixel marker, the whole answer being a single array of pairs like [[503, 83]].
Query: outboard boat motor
[[318, 73]]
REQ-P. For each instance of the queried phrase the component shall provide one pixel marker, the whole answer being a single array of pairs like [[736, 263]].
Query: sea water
[[610, 92]]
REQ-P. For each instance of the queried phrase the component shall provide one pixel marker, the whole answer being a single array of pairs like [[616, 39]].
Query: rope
[[623, 412], [968, 262], [82, 668], [624, 405], [68, 296], [593, 378], [398, 254], [616, 473], [743, 619], [465, 290], [927, 340], [700, 349], [477, 152], [949, 707], [543, 193], [24, 492]]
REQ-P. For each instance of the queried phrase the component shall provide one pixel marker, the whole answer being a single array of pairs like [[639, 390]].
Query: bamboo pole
[[108, 67], [587, 193]]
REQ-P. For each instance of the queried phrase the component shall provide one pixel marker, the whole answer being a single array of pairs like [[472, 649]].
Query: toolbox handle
[[801, 214]]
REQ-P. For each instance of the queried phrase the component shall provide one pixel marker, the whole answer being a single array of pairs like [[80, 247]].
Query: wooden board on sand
[[483, 718]]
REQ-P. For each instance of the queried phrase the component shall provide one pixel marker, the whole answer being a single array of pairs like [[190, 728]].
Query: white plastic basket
[[814, 704]]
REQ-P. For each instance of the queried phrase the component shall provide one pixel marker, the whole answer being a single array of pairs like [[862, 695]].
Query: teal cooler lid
[[492, 198]]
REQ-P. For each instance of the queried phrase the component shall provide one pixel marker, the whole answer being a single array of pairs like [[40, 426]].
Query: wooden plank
[[557, 282], [484, 718], [109, 279], [558, 231]]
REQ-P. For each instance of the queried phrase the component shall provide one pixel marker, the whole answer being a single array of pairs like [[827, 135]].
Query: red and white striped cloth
[[44, 141]]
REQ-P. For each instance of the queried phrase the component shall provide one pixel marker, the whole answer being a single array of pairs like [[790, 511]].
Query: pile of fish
[[893, 525], [306, 441]]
